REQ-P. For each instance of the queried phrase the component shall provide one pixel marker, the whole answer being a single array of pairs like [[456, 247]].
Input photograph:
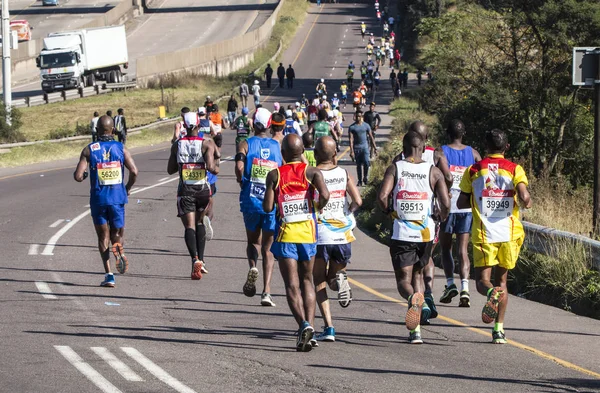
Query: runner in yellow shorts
[[492, 188]]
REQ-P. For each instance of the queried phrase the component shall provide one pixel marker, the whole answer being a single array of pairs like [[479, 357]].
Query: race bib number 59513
[[412, 205]]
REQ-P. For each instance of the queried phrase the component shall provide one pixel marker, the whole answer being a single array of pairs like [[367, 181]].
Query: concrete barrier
[[218, 59]]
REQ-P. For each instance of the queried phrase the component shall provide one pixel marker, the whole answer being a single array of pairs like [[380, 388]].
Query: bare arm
[[524, 196], [208, 153], [352, 190], [318, 181], [332, 133], [176, 132], [464, 201], [441, 193], [351, 142], [372, 140], [240, 165], [133, 171], [212, 128], [476, 155], [80, 171], [441, 162], [172, 166], [269, 200], [386, 187]]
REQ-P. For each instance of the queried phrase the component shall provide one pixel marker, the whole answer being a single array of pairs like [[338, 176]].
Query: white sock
[[450, 281], [464, 285]]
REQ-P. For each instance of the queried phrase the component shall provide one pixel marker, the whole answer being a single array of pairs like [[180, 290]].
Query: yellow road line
[[308, 35], [516, 344]]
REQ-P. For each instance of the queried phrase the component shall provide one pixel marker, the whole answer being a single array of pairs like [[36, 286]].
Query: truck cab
[[60, 63]]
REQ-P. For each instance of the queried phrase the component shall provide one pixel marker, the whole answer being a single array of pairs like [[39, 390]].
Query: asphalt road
[[158, 331]]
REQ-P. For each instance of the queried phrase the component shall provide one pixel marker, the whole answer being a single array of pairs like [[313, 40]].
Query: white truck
[[78, 58]]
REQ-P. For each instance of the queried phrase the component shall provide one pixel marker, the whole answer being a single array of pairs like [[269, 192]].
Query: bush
[[12, 133]]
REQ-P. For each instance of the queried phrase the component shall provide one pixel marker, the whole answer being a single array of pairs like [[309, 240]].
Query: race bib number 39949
[[497, 203]]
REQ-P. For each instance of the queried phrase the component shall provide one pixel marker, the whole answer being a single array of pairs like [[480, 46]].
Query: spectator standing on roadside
[[93, 125], [405, 78], [361, 137], [256, 93], [290, 75], [419, 77], [393, 78], [268, 75], [281, 74], [109, 113], [244, 93], [232, 106], [121, 126]]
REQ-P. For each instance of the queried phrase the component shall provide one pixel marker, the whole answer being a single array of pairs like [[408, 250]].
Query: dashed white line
[[94, 376], [156, 370], [49, 249], [45, 290], [117, 364], [33, 249], [332, 68], [56, 223]]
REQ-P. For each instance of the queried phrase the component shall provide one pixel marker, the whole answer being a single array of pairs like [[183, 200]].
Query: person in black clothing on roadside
[[268, 75], [121, 126], [281, 74], [290, 75], [232, 106]]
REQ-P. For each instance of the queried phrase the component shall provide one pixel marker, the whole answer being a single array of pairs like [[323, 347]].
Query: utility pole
[[596, 216], [6, 63]]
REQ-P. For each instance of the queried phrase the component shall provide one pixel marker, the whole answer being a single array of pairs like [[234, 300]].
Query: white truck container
[[81, 57]]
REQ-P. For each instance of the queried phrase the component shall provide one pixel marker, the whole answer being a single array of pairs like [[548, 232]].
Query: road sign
[[585, 66]]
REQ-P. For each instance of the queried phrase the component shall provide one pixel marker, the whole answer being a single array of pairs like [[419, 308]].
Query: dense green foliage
[[10, 133]]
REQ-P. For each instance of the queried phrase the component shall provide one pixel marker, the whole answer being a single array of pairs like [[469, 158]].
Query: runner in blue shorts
[[255, 158], [108, 194]]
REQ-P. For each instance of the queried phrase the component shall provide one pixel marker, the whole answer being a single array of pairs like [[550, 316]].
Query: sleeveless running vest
[[192, 168], [106, 174], [203, 127], [334, 224], [264, 155], [243, 129], [458, 161], [310, 156], [289, 127], [217, 120], [321, 129], [295, 207], [412, 202]]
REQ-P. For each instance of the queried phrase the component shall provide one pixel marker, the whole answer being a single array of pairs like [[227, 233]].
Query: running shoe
[[465, 299], [449, 293], [344, 291], [250, 285], [266, 300], [314, 343], [490, 310], [209, 229], [203, 270], [109, 281], [415, 338], [498, 337], [305, 335], [413, 315], [431, 305], [327, 335], [121, 259], [425, 314], [197, 269]]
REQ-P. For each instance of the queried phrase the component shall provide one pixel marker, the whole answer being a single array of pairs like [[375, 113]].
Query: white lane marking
[[156, 370], [332, 68], [56, 223], [335, 62], [156, 185], [94, 376], [49, 249], [45, 290], [164, 178], [117, 364], [132, 190], [33, 249], [339, 48], [88, 205]]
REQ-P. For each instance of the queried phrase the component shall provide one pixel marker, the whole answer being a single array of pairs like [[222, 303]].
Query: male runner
[[180, 131], [292, 187], [362, 142], [219, 123], [344, 91], [321, 127], [491, 187], [108, 193], [309, 148], [412, 184], [350, 76], [255, 157], [242, 125], [363, 29], [277, 126], [192, 158], [459, 157], [334, 239]]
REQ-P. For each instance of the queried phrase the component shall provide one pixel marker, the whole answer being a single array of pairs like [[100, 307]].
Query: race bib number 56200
[[497, 203], [109, 173]]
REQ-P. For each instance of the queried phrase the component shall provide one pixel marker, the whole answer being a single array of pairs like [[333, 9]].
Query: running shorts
[[503, 254], [406, 254], [218, 139], [266, 222], [191, 204], [300, 252], [113, 215], [458, 223], [339, 253]]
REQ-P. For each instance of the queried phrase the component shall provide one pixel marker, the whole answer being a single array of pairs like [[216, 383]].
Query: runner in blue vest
[[291, 125], [459, 157], [108, 194], [255, 158]]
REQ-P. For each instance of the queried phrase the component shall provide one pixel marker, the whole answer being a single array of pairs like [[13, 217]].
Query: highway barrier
[[218, 59], [65, 95]]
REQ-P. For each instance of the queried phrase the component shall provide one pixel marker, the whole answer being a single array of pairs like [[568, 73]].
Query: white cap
[[256, 82], [288, 113], [297, 103], [262, 116], [322, 80], [202, 110], [324, 97], [190, 119], [335, 94]]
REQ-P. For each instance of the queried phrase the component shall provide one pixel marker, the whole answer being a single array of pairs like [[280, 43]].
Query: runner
[[363, 93], [344, 91], [256, 93], [335, 102], [277, 126], [492, 187], [369, 49], [255, 157], [242, 125], [300, 115], [363, 29], [180, 131], [108, 193], [192, 158], [313, 114], [335, 226], [376, 78], [412, 184], [362, 141], [309, 148], [350, 76], [363, 71], [291, 126], [357, 99], [219, 123], [292, 188], [322, 128], [459, 157], [321, 88]]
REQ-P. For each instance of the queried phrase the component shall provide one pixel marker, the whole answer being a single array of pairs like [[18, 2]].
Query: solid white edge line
[[56, 223], [90, 373], [116, 364], [45, 290], [164, 178], [156, 370], [33, 249], [49, 249]]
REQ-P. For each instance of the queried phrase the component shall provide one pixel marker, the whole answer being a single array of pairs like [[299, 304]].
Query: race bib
[[312, 116], [258, 176], [336, 204], [457, 174], [109, 173], [356, 100], [497, 203], [412, 206], [295, 211], [193, 174]]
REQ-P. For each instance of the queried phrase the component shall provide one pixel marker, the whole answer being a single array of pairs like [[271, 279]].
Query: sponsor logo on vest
[[418, 176], [265, 153], [498, 193], [95, 146], [412, 195], [292, 197], [337, 180]]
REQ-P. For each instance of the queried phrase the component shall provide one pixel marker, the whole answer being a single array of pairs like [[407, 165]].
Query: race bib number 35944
[[109, 173], [412, 205], [497, 203], [295, 210]]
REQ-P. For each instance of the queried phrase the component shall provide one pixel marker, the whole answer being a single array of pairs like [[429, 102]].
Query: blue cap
[[244, 111]]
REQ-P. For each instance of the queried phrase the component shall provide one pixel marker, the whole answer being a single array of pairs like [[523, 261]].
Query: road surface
[[158, 331]]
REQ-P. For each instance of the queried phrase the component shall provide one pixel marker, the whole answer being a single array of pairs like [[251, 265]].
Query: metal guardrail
[[49, 98]]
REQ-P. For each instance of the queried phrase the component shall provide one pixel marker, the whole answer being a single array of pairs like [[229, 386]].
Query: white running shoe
[[209, 229], [344, 291], [267, 300]]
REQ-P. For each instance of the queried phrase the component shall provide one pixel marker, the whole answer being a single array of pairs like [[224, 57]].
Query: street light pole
[[6, 64]]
